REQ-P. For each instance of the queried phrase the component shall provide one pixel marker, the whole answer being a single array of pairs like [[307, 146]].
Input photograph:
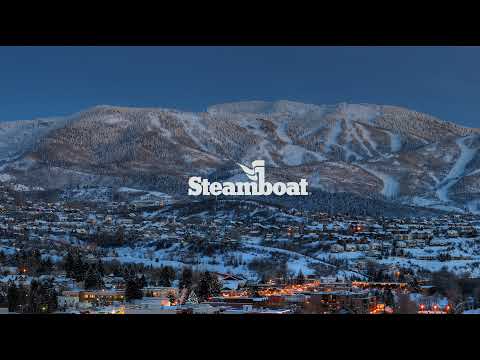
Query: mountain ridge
[[400, 154]]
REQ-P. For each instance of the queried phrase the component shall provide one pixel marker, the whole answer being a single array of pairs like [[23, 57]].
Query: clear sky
[[51, 81]]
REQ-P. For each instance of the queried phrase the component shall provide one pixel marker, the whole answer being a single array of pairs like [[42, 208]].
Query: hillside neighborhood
[[159, 255]]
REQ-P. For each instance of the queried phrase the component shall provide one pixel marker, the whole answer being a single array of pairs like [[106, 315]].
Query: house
[[421, 235], [81, 231], [9, 270], [354, 302], [401, 244], [204, 309], [336, 248], [68, 299], [113, 282], [452, 233], [350, 247], [91, 259], [374, 254], [150, 306], [230, 282], [468, 231], [160, 291], [107, 296], [427, 257], [355, 228], [363, 247], [401, 236], [440, 242]]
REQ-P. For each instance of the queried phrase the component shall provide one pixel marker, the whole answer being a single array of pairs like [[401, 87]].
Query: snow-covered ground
[[395, 142], [294, 155], [390, 184], [466, 155], [6, 178], [333, 135], [472, 312]]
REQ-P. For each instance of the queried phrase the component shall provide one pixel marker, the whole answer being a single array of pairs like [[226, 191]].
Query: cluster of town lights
[[434, 309]]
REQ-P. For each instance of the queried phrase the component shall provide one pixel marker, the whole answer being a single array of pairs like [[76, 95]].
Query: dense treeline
[[38, 297]]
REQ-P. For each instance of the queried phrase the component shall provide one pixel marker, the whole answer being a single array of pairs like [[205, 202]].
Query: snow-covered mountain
[[369, 150]]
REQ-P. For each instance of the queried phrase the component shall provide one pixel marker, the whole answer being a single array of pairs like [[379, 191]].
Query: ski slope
[[466, 155]]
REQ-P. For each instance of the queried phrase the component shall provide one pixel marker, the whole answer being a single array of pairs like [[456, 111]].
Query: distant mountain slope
[[18, 137], [370, 150]]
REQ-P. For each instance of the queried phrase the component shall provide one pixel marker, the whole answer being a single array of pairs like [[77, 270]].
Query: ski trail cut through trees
[[466, 155], [390, 184]]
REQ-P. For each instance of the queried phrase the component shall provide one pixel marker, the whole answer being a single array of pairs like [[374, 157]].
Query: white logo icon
[[258, 166], [257, 186]]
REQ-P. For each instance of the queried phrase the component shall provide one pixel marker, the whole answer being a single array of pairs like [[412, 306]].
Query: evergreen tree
[[46, 266], [35, 260], [300, 278], [79, 269], [48, 297], [388, 298], [192, 298], [264, 279], [119, 238], [33, 298], [132, 290], [142, 282], [203, 287], [171, 298], [93, 279], [215, 286], [12, 297], [100, 268], [208, 286], [167, 275], [253, 291], [186, 278], [39, 297]]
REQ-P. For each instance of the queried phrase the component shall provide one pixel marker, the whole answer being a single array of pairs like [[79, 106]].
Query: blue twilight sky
[[51, 81]]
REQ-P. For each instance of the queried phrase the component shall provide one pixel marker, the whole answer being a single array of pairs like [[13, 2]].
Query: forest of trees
[[38, 297], [456, 288], [90, 273]]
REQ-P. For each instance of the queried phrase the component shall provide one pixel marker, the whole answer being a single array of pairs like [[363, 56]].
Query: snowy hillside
[[400, 155]]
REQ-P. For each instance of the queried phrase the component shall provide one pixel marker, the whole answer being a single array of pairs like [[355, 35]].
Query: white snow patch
[[368, 138], [113, 120], [390, 184], [474, 206], [129, 190], [294, 155], [282, 133], [458, 169], [359, 112], [333, 135], [316, 181], [6, 177], [353, 130], [395, 142], [21, 187]]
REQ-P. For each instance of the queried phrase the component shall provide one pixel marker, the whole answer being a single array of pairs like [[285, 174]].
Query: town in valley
[[140, 252]]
